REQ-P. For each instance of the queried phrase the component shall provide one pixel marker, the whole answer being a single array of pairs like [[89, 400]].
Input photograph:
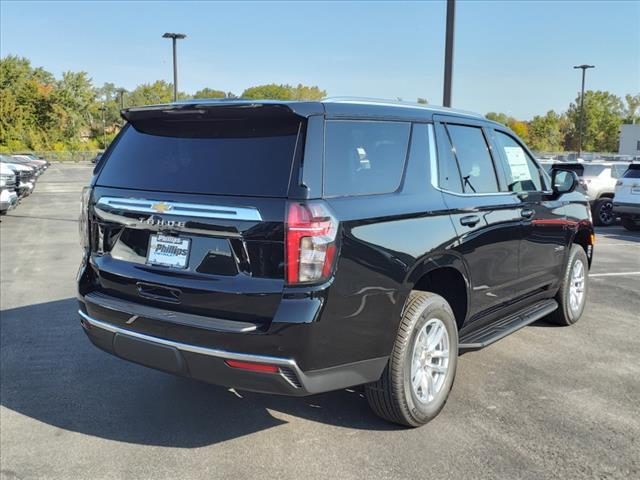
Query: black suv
[[302, 247]]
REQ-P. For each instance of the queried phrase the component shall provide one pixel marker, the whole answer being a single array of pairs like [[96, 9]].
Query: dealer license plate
[[168, 251]]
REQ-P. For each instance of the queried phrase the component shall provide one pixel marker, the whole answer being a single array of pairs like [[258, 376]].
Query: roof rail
[[397, 103]]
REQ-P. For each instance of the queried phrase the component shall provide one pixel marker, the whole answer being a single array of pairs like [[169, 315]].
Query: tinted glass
[[618, 170], [633, 172], [239, 157], [448, 173], [593, 170], [474, 159], [363, 157], [521, 173], [574, 167]]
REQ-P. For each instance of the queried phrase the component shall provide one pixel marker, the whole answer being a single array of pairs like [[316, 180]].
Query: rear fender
[[436, 261]]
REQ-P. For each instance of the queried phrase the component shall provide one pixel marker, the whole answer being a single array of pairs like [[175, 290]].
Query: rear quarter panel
[[385, 240]]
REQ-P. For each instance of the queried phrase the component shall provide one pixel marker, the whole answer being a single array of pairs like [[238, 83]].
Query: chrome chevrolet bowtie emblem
[[161, 207]]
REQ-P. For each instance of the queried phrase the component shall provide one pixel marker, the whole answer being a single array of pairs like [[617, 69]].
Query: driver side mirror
[[563, 181]]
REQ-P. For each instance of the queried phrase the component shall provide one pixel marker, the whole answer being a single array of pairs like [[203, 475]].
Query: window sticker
[[518, 164]]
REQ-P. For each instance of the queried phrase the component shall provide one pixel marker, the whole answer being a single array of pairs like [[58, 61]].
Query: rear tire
[[603, 212], [572, 294], [630, 224], [415, 385]]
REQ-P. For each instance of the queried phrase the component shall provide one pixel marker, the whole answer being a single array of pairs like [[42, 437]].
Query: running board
[[495, 331]]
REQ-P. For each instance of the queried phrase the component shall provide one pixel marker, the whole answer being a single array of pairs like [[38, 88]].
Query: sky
[[512, 57]]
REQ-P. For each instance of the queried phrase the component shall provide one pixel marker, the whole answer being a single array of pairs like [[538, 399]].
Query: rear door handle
[[470, 220], [527, 212]]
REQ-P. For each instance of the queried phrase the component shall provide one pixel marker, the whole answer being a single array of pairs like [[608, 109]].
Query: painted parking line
[[617, 244], [613, 274]]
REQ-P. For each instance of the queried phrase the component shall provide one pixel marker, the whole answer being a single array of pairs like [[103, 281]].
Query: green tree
[[274, 91], [502, 118], [520, 128], [545, 132], [422, 101], [271, 91], [603, 114], [302, 92], [74, 97], [153, 93], [209, 93]]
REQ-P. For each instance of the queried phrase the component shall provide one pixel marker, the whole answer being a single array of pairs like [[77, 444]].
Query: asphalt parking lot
[[546, 402]]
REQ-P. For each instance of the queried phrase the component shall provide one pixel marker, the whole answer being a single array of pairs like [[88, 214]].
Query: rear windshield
[[238, 156], [633, 172], [594, 170], [578, 168]]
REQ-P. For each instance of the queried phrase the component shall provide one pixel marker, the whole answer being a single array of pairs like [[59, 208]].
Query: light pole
[[448, 53], [174, 37], [121, 96], [584, 69], [103, 108]]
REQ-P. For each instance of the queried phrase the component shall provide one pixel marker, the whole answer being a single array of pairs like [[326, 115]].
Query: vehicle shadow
[[603, 234], [50, 372]]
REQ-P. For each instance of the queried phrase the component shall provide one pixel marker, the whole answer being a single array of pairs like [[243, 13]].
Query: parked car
[[25, 175], [626, 202], [598, 180], [37, 166], [548, 164], [8, 196], [35, 158], [302, 247]]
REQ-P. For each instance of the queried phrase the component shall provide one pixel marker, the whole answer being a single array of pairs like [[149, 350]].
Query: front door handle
[[527, 212], [470, 220]]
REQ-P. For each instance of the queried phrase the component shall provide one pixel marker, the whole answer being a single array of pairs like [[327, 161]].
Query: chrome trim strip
[[434, 173], [182, 209], [395, 103], [211, 352], [432, 156], [188, 319]]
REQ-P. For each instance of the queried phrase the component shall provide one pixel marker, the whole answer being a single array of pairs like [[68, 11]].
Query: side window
[[474, 160], [618, 170], [364, 157], [448, 173], [521, 172]]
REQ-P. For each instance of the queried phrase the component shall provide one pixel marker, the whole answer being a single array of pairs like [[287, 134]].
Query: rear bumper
[[626, 208], [209, 365]]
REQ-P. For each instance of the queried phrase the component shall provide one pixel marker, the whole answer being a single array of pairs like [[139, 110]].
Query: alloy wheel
[[430, 360]]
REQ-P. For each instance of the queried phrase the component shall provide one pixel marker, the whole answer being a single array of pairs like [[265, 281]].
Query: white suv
[[626, 202], [598, 180]]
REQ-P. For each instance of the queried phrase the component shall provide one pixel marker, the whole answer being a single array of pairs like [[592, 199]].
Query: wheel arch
[[604, 195], [446, 275], [584, 236]]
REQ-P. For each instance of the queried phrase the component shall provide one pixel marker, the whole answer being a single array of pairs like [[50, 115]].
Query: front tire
[[572, 294], [603, 213], [415, 385]]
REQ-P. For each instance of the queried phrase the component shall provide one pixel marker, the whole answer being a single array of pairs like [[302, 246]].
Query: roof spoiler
[[221, 109]]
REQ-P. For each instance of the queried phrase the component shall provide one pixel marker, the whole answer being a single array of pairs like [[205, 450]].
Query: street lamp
[[584, 69], [121, 92], [448, 53], [174, 37], [103, 109]]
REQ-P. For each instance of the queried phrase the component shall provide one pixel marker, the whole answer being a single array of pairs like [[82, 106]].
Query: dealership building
[[629, 139]]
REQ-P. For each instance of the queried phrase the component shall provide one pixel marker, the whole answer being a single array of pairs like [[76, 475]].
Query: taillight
[[84, 217], [310, 242]]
